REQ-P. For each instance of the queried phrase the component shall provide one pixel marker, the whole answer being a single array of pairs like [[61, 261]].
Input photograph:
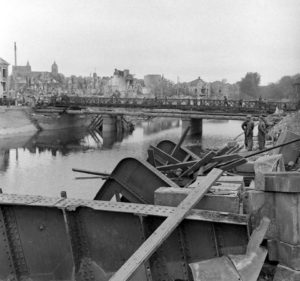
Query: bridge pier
[[111, 129], [195, 124], [109, 123]]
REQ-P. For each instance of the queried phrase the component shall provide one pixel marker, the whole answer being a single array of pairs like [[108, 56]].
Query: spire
[[15, 49], [54, 68]]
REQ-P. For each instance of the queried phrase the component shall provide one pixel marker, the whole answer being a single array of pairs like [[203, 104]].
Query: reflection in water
[[158, 124], [64, 141], [42, 163], [4, 160]]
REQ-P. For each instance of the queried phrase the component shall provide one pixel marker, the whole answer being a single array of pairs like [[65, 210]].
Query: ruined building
[[199, 88], [3, 77], [121, 81], [23, 78]]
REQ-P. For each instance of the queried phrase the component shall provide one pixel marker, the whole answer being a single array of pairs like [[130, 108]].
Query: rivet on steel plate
[[63, 194]]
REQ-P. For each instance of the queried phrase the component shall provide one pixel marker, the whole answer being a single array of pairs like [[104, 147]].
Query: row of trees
[[247, 88], [283, 89]]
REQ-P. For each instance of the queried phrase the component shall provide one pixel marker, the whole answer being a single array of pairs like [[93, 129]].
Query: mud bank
[[16, 120]]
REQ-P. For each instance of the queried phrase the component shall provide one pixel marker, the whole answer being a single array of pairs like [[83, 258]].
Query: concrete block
[[253, 201], [283, 209], [288, 217], [285, 254], [284, 273], [170, 196], [278, 181]]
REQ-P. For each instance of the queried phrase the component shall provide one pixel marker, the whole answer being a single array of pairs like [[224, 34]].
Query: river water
[[41, 164]]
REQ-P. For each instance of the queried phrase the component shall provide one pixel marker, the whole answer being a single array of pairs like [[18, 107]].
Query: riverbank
[[20, 120], [16, 120]]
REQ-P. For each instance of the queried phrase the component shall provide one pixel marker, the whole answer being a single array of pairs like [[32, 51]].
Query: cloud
[[207, 38]]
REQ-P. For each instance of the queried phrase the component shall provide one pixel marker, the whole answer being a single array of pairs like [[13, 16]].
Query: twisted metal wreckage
[[130, 231]]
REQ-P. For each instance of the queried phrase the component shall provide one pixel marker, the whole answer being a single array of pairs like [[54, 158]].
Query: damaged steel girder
[[133, 181], [71, 239], [236, 267]]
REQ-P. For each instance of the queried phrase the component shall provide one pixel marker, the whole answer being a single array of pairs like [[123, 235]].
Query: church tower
[[54, 69]]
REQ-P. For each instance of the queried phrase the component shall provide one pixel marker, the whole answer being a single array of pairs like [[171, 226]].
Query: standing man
[[262, 131], [225, 101], [248, 126]]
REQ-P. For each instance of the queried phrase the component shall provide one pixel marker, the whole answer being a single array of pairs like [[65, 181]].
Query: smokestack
[[15, 54]]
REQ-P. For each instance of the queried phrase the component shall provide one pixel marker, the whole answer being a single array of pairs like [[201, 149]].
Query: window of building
[[3, 86], [4, 72]]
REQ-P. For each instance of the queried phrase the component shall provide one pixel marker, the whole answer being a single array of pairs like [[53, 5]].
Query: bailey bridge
[[191, 111]]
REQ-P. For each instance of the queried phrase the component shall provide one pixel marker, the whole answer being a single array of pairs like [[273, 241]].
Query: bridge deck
[[176, 106]]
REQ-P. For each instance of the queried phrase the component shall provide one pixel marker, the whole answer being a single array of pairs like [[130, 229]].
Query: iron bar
[[90, 172]]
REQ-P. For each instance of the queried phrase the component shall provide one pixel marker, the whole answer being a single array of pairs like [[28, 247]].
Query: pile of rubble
[[176, 216]]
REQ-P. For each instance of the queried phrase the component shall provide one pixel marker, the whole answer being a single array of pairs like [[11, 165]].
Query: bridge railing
[[182, 104]]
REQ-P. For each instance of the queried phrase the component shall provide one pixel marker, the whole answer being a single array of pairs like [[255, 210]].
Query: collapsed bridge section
[[45, 238]]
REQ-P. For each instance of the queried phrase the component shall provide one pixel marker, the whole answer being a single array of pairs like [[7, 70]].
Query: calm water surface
[[42, 164]]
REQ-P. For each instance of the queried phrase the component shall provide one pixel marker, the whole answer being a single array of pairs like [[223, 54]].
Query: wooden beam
[[208, 167], [225, 158], [176, 166], [233, 164], [222, 150], [230, 151], [238, 148], [182, 138], [200, 163], [165, 156], [145, 251]]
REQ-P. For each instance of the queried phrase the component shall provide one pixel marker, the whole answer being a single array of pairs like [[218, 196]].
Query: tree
[[283, 89], [249, 85]]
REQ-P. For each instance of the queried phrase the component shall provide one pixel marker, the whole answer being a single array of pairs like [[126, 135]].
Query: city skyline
[[212, 39]]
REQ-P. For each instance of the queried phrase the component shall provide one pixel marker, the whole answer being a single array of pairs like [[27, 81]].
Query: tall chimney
[[15, 54]]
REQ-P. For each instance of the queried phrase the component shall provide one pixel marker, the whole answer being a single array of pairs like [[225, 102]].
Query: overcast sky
[[213, 39]]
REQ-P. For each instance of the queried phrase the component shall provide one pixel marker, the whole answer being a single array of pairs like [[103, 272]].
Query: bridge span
[[191, 111], [195, 105]]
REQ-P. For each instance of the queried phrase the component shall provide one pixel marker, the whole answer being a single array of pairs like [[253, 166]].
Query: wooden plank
[[225, 158], [237, 149], [165, 229], [164, 155], [234, 164], [230, 151], [182, 138], [176, 166], [200, 163], [222, 150]]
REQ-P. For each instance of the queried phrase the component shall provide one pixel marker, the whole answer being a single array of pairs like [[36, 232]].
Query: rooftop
[[2, 61]]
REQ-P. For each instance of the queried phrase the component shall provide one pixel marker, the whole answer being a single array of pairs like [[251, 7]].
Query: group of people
[[248, 127]]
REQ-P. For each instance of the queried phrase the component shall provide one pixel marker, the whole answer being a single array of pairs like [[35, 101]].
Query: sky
[[181, 39]]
